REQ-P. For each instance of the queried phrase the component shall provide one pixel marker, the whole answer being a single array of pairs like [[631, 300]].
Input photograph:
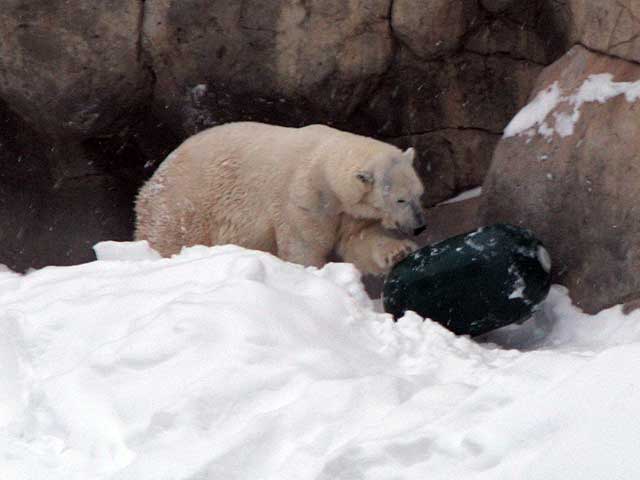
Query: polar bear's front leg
[[371, 248], [298, 251], [299, 244]]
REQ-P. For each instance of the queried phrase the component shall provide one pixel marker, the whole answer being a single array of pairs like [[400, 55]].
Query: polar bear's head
[[391, 191]]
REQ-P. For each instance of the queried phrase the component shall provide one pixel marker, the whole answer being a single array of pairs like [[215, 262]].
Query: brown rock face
[[496, 5], [451, 160], [499, 37], [573, 176], [299, 62], [53, 212], [432, 28], [465, 91], [609, 26], [71, 67]]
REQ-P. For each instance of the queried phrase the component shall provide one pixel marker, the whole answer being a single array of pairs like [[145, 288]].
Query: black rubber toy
[[472, 283]]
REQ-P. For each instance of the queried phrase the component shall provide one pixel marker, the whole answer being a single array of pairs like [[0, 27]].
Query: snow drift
[[225, 363]]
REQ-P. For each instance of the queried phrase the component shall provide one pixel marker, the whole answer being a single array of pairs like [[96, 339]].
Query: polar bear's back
[[202, 191], [230, 183]]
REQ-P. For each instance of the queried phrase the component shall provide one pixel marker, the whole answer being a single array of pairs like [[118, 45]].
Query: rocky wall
[[93, 95]]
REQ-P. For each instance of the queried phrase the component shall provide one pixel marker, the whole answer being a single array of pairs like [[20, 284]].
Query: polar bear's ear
[[365, 177], [409, 154]]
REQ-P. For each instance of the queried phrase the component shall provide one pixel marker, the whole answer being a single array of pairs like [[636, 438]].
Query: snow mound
[[128, 251], [534, 118], [225, 363]]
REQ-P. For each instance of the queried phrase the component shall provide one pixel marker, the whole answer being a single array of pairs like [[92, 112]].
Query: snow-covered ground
[[224, 363]]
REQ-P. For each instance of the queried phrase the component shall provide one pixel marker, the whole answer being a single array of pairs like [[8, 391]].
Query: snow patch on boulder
[[534, 117]]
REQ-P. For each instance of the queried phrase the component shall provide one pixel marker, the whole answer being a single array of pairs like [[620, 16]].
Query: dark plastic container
[[472, 283]]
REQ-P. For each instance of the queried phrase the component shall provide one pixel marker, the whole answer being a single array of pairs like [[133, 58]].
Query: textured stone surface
[[465, 91], [23, 174], [48, 226], [432, 28], [579, 192], [609, 26], [290, 61], [450, 219], [71, 67], [451, 160], [496, 5], [58, 198], [498, 36]]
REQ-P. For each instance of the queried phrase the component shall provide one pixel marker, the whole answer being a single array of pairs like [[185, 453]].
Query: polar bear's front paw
[[392, 251]]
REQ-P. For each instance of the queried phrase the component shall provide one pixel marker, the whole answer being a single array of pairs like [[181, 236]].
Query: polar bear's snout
[[419, 218], [411, 221]]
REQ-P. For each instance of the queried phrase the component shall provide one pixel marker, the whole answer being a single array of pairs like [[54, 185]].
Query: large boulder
[[608, 26], [432, 28], [281, 61], [72, 67], [568, 168]]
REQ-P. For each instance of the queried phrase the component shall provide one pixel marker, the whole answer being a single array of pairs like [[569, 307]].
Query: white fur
[[299, 193]]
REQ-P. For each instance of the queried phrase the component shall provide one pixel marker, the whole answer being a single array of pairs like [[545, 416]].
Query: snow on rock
[[534, 118], [228, 363], [130, 251], [535, 113]]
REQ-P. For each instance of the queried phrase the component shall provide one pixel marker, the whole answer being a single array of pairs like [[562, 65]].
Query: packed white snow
[[535, 117], [225, 363]]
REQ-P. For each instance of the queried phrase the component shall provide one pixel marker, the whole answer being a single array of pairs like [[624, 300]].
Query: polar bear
[[302, 194]]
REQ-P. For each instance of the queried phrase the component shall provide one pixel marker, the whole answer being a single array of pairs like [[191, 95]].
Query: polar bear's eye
[[401, 200]]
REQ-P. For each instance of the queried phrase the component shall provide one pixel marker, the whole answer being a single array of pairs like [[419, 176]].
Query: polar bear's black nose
[[419, 230]]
